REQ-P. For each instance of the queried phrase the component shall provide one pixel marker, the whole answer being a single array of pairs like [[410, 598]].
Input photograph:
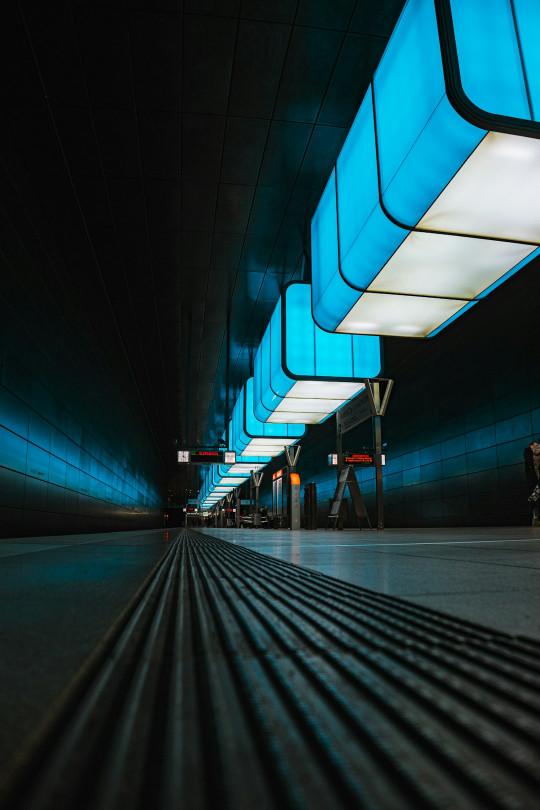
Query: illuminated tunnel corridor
[[168, 171]]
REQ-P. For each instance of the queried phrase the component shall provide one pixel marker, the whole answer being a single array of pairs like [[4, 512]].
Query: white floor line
[[433, 542]]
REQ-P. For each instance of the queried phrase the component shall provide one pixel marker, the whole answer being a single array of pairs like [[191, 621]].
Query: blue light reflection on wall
[[55, 474]]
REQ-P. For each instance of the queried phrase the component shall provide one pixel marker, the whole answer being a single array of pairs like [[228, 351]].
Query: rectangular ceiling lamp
[[304, 373], [435, 197], [220, 483], [253, 437], [245, 465]]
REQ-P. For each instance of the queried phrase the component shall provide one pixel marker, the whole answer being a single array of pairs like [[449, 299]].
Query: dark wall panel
[[72, 456]]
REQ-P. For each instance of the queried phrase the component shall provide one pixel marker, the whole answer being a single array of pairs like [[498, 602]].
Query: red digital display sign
[[365, 458], [206, 457]]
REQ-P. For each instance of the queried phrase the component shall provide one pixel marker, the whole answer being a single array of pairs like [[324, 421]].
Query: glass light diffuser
[[217, 480], [251, 436], [435, 197], [303, 373]]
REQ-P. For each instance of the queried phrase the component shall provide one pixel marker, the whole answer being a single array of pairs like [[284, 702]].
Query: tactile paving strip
[[240, 681]]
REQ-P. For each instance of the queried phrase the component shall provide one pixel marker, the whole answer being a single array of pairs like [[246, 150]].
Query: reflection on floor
[[486, 575], [58, 598]]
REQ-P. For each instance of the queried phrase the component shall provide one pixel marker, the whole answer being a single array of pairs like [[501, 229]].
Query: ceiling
[[161, 162]]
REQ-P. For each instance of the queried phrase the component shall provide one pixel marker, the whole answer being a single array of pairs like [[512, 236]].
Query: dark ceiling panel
[[268, 210], [34, 141], [357, 61], [221, 8], [160, 138], [321, 155], [284, 153], [118, 143], [377, 19], [196, 248], [220, 285], [164, 5], [56, 53], [310, 61], [233, 208], [226, 251], [103, 39], [196, 282], [165, 247], [245, 139], [156, 53], [134, 246], [208, 56], [260, 53], [286, 257], [18, 80], [256, 254], [216, 307], [198, 206], [202, 147], [162, 199], [322, 14], [282, 10], [128, 202]]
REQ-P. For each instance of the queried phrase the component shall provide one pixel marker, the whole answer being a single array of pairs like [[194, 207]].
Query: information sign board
[[211, 456], [365, 458]]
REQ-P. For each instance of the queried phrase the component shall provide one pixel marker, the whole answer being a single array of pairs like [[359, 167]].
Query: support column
[[377, 442]]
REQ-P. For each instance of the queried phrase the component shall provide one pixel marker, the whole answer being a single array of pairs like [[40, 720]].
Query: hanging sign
[[206, 456]]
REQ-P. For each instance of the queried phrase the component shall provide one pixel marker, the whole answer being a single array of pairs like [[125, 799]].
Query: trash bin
[[310, 505]]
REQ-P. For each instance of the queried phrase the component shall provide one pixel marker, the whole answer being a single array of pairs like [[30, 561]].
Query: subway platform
[[220, 668]]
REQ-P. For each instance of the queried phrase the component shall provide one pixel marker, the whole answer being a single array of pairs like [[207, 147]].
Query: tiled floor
[[58, 597], [490, 576]]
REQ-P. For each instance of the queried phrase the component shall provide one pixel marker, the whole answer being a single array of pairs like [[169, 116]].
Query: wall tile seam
[[64, 461], [93, 458], [68, 489], [52, 425]]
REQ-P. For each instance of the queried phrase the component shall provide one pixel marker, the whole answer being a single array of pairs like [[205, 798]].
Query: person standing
[[531, 458]]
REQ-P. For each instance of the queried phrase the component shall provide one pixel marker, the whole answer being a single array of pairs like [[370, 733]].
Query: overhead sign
[[354, 412], [365, 458], [206, 457], [363, 406]]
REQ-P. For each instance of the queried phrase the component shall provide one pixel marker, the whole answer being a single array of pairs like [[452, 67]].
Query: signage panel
[[354, 412], [206, 457], [365, 458]]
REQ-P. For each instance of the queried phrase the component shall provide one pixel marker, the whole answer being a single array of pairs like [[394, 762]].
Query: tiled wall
[[71, 457], [464, 406]]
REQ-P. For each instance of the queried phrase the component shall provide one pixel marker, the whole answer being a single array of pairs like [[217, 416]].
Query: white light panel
[[495, 193], [449, 266], [398, 315]]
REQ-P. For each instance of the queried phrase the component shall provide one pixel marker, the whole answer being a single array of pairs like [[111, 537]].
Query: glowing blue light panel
[[217, 480], [302, 373], [250, 436], [435, 197]]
